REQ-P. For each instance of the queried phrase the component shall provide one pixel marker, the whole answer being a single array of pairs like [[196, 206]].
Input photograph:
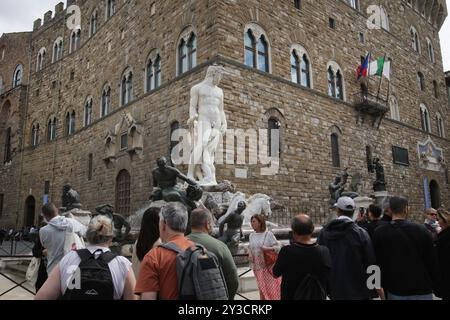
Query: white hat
[[346, 204]]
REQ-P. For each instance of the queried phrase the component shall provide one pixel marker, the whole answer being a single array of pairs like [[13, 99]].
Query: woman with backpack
[[263, 248], [148, 238], [93, 273]]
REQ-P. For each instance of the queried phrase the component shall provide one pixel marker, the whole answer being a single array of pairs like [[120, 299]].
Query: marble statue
[[207, 122], [233, 234], [257, 204]]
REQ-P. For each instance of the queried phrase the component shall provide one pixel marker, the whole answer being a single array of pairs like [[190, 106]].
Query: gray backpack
[[199, 274]]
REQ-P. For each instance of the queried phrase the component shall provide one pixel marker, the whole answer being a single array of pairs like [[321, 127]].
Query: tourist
[[2, 235], [53, 235], [148, 238], [303, 258], [374, 220], [201, 227], [262, 240], [431, 223], [351, 254], [443, 251], [405, 254], [387, 214], [40, 253], [116, 284], [158, 275]]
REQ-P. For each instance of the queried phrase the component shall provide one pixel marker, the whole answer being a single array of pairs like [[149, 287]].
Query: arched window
[[395, 113], [35, 135], [187, 54], [339, 86], [57, 49], [421, 81], [440, 125], [430, 51], [123, 194], [256, 48], [335, 156], [40, 59], [93, 25], [273, 141], [51, 129], [18, 75], [106, 101], [300, 66], [335, 81], [295, 67], [425, 118], [384, 19], [88, 112], [75, 39], [153, 73], [173, 127], [305, 72], [110, 8], [331, 82], [70, 123], [415, 40], [127, 88]]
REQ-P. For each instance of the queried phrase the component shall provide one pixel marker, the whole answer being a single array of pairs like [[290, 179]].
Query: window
[[425, 118], [430, 51], [153, 73], [106, 101], [88, 113], [273, 140], [90, 166], [421, 81], [124, 141], [40, 59], [415, 40], [362, 38], [35, 135], [440, 125], [173, 127], [400, 156], [70, 123], [93, 26], [75, 39], [127, 88], [298, 4], [110, 8], [335, 157], [1, 203], [331, 23], [51, 130], [393, 105], [335, 83], [8, 154], [435, 89], [354, 4], [300, 69], [57, 49], [18, 74], [123, 195], [187, 54], [256, 50]]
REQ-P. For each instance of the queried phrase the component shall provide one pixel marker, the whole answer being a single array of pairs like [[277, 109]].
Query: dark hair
[[149, 233], [262, 221], [199, 217], [375, 210], [398, 204], [48, 210], [302, 225]]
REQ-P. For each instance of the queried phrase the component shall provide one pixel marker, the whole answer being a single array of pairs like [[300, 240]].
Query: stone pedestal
[[361, 202], [380, 196]]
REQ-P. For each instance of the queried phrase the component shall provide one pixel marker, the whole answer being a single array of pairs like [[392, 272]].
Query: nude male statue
[[207, 123]]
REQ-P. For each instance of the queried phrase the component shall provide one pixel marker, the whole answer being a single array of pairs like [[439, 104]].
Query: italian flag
[[380, 68]]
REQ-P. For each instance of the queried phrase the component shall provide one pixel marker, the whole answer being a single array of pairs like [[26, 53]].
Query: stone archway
[[30, 208], [435, 195]]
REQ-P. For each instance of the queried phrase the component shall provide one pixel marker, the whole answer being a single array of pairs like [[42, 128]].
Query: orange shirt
[[158, 270]]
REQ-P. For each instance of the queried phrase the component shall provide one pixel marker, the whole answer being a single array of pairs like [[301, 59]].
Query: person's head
[[215, 72], [100, 231], [345, 206], [201, 220], [149, 232], [258, 223], [161, 162], [443, 218], [398, 207], [387, 206], [302, 226], [374, 212], [49, 211], [241, 206], [431, 214], [173, 219]]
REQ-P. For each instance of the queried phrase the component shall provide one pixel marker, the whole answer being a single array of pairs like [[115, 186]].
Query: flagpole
[[381, 77]]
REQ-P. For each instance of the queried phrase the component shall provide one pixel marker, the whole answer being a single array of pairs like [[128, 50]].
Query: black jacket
[[443, 253], [407, 258], [351, 253], [296, 261], [371, 226]]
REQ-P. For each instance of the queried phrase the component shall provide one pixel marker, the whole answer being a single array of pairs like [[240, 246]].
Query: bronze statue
[[337, 188], [70, 198], [119, 222], [380, 180], [234, 233]]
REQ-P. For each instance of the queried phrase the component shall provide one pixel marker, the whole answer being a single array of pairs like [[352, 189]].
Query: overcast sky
[[18, 15]]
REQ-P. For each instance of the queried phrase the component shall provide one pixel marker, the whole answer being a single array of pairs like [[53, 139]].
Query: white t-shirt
[[119, 268], [258, 240]]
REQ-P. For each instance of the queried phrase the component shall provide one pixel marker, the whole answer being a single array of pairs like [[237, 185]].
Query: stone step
[[247, 282]]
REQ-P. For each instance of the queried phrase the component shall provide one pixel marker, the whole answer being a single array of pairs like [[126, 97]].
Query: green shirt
[[226, 260]]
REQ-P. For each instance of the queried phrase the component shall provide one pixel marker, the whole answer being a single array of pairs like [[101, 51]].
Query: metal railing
[[16, 248]]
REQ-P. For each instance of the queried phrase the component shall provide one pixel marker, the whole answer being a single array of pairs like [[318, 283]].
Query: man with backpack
[[303, 265]]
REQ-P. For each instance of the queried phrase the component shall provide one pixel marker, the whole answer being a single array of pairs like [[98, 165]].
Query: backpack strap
[[107, 256], [171, 246], [84, 254]]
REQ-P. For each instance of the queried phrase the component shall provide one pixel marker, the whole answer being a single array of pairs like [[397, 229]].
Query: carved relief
[[430, 156]]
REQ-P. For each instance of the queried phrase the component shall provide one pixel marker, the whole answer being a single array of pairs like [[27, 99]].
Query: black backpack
[[310, 289], [96, 279]]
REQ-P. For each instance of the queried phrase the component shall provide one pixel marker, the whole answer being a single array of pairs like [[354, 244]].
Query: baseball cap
[[346, 204]]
